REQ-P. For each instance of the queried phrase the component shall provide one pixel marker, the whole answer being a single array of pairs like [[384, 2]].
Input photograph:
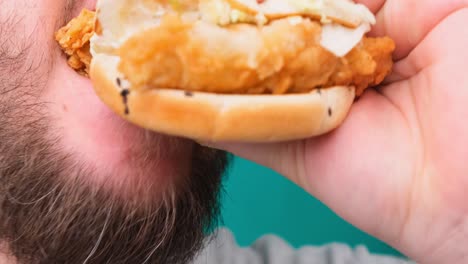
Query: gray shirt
[[222, 249]]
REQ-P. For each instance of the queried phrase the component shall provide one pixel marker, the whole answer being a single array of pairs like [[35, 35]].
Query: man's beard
[[45, 218]]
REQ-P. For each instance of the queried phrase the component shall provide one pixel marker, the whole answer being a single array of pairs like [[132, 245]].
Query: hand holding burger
[[396, 167]]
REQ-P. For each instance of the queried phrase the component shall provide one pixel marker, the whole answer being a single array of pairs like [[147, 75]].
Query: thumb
[[286, 158]]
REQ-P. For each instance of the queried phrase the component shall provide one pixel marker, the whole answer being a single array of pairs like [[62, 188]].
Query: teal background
[[257, 201]]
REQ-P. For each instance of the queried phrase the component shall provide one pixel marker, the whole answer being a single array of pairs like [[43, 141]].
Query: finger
[[445, 44], [284, 158], [409, 22]]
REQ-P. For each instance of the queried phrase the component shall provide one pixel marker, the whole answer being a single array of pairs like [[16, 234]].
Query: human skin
[[397, 168]]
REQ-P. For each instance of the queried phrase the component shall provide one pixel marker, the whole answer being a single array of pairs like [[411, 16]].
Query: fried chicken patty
[[282, 57]]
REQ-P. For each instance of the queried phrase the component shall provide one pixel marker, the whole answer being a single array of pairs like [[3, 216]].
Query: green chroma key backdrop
[[258, 201]]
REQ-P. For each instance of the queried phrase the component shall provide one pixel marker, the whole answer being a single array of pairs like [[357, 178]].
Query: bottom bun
[[218, 117]]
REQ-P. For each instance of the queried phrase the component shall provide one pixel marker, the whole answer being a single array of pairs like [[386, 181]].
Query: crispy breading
[[275, 59], [74, 39], [281, 57]]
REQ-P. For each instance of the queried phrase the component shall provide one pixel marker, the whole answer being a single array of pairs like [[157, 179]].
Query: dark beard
[[47, 219]]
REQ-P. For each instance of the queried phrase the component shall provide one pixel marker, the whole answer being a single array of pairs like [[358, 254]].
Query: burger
[[229, 70]]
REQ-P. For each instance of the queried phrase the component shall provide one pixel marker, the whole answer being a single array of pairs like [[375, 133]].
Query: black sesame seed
[[319, 91], [188, 94], [124, 93], [330, 112], [119, 82]]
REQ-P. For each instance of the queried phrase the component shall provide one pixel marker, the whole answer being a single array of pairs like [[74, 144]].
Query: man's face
[[78, 184]]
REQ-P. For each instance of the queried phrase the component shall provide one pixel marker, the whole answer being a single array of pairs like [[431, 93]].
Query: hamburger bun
[[229, 115]]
